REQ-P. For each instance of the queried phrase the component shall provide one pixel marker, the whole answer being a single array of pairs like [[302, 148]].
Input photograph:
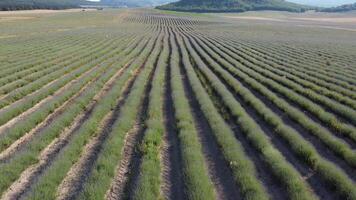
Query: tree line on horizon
[[234, 6], [7, 5]]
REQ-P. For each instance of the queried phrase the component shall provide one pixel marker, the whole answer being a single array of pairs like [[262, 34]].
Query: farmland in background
[[149, 104]]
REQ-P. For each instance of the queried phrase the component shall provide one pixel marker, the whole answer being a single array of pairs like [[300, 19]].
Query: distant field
[[147, 104], [345, 20]]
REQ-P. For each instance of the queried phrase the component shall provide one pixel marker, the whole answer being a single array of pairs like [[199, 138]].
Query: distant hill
[[343, 8], [40, 4], [233, 5]]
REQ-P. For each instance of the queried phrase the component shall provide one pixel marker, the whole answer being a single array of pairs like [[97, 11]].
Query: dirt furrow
[[171, 158], [218, 168], [29, 176], [23, 115], [79, 172], [273, 186], [127, 173], [18, 144], [322, 149], [138, 137], [315, 118], [47, 85], [116, 190], [318, 186]]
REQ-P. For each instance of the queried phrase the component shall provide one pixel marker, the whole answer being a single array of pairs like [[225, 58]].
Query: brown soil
[[41, 126], [18, 188], [171, 158], [318, 186], [24, 183], [219, 170], [273, 186], [23, 115], [307, 113], [116, 190], [79, 172], [127, 172], [321, 148]]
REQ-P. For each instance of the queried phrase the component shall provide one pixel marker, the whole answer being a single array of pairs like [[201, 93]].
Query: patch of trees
[[39, 4]]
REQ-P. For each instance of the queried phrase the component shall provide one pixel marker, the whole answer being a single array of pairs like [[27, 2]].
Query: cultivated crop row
[[146, 104]]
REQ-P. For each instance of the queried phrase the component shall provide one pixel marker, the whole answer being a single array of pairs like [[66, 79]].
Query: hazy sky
[[323, 2], [314, 2]]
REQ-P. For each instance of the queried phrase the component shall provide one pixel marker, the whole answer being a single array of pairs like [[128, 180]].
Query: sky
[[325, 3]]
